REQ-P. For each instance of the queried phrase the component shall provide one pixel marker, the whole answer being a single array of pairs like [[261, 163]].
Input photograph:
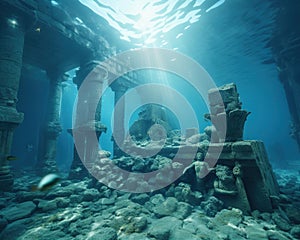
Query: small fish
[[46, 182], [29, 147], [11, 158]]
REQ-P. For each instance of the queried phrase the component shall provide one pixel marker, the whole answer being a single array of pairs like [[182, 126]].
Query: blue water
[[228, 38]]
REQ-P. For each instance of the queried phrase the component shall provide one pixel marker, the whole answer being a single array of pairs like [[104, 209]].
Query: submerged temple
[[162, 180], [45, 36]]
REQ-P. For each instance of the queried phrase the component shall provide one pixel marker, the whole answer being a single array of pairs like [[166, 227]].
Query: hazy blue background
[[228, 38]]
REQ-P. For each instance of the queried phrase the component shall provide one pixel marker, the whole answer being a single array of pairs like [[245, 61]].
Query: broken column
[[243, 177], [11, 52], [236, 117], [88, 125]]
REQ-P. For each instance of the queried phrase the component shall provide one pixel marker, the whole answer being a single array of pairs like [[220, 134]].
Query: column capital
[[56, 75], [119, 87], [10, 115], [92, 67]]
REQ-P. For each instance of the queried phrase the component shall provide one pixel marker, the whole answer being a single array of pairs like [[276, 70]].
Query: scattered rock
[[293, 212], [157, 199], [76, 198], [159, 232], [255, 214], [180, 234], [135, 225], [184, 193], [44, 233], [46, 206], [275, 235], [212, 206], [62, 202], [266, 216], [196, 223], [194, 139], [295, 231], [167, 208], [107, 201], [160, 229], [81, 210], [140, 198], [225, 217], [15, 229], [183, 210], [2, 203], [255, 231], [90, 195], [280, 222], [29, 196], [3, 223], [103, 234], [134, 236], [19, 211], [61, 192]]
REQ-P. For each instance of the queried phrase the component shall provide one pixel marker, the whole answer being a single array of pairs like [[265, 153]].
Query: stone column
[[11, 52], [289, 75], [87, 125], [285, 45], [53, 126], [118, 128]]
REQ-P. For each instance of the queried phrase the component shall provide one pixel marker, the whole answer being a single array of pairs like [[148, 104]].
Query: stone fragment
[[90, 195], [15, 229], [211, 206], [19, 211], [183, 210], [276, 235], [255, 232], [180, 234], [225, 217], [103, 234], [140, 198], [167, 208], [280, 222], [295, 231], [160, 229], [3, 223], [107, 201]]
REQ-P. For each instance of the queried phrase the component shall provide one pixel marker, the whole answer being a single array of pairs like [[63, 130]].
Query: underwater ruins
[[216, 184]]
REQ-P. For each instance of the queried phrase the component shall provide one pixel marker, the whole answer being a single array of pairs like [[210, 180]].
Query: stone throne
[[243, 175]]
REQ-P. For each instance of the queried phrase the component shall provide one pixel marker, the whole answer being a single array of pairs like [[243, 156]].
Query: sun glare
[[144, 23]]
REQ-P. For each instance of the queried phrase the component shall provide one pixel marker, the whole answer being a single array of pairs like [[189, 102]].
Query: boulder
[[19, 211]]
